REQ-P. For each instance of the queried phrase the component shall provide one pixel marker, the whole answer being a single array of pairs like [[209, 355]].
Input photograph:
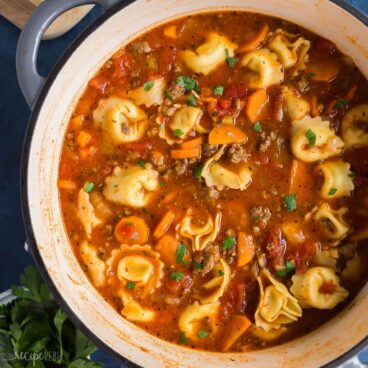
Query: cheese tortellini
[[218, 284], [96, 267], [296, 107], [277, 306], [337, 182], [217, 175], [332, 221], [133, 311], [193, 314], [149, 96], [290, 49], [327, 143], [354, 127], [121, 119], [86, 213], [200, 236], [131, 186], [209, 55], [308, 288], [266, 69]]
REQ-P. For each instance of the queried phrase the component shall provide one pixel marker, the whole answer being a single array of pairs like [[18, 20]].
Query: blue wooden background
[[14, 115]]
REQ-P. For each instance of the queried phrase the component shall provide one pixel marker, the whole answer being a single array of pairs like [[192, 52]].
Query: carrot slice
[[170, 32], [255, 103], [192, 143], [76, 122], [132, 230], [257, 40], [67, 184], [164, 224], [186, 153], [167, 246], [300, 180], [314, 106], [83, 138], [245, 249], [234, 329], [225, 134]]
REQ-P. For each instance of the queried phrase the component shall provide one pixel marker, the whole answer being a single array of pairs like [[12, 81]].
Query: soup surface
[[213, 181]]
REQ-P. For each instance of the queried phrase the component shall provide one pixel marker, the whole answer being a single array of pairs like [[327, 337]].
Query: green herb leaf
[[341, 103], [228, 242], [192, 101], [232, 61], [257, 127], [176, 276], [182, 338], [310, 75], [202, 334], [311, 137], [180, 253], [220, 273], [218, 90], [130, 285], [197, 172], [352, 175], [88, 187], [288, 270], [169, 94], [198, 265], [290, 202], [332, 191], [83, 346], [59, 319], [83, 363], [142, 164], [178, 133], [148, 85], [188, 83]]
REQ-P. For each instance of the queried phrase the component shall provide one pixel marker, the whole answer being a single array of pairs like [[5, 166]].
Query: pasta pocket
[[266, 69], [200, 236], [133, 311], [295, 106], [215, 174], [337, 182], [121, 119], [209, 55], [354, 127], [290, 49], [332, 221], [318, 287], [276, 306], [86, 213], [96, 267], [151, 93], [218, 284], [131, 186], [190, 318], [312, 140]]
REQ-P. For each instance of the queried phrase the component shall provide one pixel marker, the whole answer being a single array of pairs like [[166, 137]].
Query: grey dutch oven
[[52, 101]]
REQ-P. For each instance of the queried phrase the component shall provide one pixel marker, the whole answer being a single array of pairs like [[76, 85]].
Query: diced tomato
[[328, 287], [224, 103], [127, 231], [275, 246], [303, 255], [123, 66], [261, 157], [177, 287], [237, 90], [99, 83], [166, 59], [107, 169]]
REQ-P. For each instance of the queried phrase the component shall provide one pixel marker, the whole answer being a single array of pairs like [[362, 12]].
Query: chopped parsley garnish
[[148, 85], [176, 276], [311, 137], [188, 83], [202, 334], [341, 103], [290, 202], [332, 191], [288, 270], [197, 172], [88, 187], [183, 338], [257, 127], [142, 164], [228, 242], [198, 265], [232, 61], [310, 75], [130, 285], [220, 273], [352, 175], [178, 133], [192, 101], [218, 90], [180, 253], [169, 94]]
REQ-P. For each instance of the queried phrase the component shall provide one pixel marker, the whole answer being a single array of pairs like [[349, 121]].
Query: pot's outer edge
[[24, 193]]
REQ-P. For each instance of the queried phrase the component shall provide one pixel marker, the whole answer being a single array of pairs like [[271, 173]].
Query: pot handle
[[30, 81]]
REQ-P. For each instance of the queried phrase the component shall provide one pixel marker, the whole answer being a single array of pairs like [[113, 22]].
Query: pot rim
[[24, 193]]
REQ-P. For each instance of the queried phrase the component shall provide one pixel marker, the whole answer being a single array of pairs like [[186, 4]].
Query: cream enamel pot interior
[[329, 345]]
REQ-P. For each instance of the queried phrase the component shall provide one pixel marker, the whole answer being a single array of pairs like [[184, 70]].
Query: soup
[[213, 181]]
